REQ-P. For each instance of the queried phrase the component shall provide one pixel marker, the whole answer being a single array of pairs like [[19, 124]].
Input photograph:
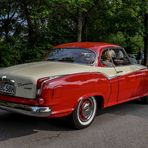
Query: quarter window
[[120, 57], [114, 57]]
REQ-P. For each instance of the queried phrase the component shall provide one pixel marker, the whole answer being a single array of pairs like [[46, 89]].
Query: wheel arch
[[99, 99]]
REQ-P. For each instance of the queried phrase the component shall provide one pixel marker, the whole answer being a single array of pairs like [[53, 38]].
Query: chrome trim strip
[[26, 109]]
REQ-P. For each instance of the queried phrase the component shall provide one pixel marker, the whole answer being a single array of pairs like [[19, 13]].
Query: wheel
[[84, 113], [145, 100]]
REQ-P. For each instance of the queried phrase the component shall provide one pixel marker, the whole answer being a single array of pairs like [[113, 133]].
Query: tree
[[8, 18], [28, 28], [145, 18], [146, 39], [76, 12]]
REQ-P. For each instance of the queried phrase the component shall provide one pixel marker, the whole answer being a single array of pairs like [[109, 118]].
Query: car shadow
[[15, 125], [132, 107]]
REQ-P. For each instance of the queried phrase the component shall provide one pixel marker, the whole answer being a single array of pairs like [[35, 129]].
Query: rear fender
[[70, 89]]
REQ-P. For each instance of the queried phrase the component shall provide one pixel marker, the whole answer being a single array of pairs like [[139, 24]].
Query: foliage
[[29, 28]]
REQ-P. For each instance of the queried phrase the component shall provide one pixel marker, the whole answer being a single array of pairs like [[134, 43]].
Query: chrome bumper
[[26, 109]]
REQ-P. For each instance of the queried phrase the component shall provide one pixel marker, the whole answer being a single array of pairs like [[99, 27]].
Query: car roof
[[96, 46]]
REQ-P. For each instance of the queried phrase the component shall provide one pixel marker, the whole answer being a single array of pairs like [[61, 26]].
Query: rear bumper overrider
[[36, 111]]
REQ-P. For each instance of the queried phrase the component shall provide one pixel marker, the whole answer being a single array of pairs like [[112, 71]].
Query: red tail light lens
[[41, 101], [40, 85], [40, 81]]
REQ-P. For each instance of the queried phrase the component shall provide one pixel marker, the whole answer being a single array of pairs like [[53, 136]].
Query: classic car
[[75, 80]]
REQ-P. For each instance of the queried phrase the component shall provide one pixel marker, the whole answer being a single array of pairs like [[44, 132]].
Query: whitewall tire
[[84, 113]]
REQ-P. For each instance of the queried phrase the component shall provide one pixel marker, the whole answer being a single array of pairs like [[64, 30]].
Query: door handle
[[119, 71]]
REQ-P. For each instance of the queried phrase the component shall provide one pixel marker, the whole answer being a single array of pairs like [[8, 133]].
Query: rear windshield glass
[[73, 55]]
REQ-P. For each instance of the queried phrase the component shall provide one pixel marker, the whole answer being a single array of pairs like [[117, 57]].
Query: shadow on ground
[[14, 125], [131, 107]]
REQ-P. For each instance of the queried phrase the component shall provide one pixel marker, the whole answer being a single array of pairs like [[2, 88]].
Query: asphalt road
[[121, 126]]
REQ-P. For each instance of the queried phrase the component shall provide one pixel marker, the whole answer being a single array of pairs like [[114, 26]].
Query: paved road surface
[[122, 126]]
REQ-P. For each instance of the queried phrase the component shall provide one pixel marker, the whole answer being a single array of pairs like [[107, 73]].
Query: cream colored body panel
[[26, 75]]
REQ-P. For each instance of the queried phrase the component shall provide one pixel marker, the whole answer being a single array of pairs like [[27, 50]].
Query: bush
[[17, 53]]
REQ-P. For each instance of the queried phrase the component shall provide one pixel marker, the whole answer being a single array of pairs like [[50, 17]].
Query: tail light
[[40, 84], [41, 101]]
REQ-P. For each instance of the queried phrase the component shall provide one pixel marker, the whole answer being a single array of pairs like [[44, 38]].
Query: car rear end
[[23, 95]]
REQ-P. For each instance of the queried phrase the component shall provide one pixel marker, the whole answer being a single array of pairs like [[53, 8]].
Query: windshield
[[73, 55]]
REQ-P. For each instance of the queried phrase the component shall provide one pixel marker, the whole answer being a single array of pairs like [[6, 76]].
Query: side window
[[107, 58], [120, 57]]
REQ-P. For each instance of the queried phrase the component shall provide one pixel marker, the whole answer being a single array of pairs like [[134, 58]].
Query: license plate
[[6, 88]]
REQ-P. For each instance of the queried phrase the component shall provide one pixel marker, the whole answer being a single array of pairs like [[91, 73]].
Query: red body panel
[[128, 86], [68, 90], [113, 98], [19, 100], [62, 94]]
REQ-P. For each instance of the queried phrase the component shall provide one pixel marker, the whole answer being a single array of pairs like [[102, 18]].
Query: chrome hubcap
[[86, 109]]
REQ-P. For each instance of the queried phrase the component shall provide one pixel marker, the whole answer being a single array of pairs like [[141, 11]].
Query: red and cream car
[[75, 80]]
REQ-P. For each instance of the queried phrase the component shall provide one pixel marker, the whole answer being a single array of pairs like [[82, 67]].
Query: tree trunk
[[146, 39], [29, 22], [85, 29], [79, 26], [6, 28]]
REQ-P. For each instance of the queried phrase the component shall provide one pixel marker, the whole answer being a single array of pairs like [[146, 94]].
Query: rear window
[[72, 55]]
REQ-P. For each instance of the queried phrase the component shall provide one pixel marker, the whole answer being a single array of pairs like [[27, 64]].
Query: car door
[[109, 70], [145, 82], [141, 72], [129, 80]]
